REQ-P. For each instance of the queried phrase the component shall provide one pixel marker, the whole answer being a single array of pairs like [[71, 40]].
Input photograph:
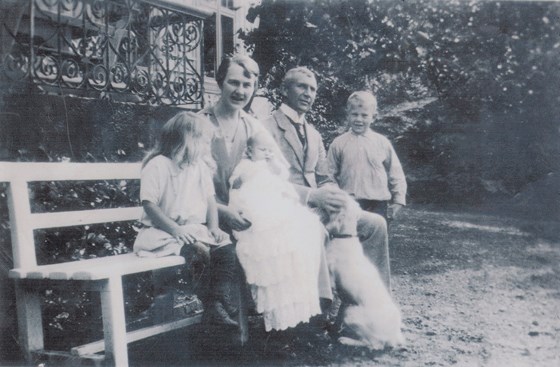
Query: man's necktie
[[300, 129]]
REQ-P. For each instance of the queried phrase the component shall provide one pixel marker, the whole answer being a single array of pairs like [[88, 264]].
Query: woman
[[237, 78]]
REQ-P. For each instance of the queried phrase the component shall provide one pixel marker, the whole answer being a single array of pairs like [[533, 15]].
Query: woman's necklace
[[228, 128]]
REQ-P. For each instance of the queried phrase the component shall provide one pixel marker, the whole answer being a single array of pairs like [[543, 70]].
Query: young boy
[[364, 163]]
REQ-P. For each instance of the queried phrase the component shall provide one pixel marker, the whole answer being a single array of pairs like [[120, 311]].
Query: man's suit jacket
[[308, 167]]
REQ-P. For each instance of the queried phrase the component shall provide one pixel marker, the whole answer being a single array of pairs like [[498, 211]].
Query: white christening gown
[[281, 251]]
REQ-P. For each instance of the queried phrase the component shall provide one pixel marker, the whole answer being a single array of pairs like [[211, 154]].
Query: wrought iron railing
[[127, 47]]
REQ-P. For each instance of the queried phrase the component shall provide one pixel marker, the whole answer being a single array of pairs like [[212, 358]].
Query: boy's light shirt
[[367, 167]]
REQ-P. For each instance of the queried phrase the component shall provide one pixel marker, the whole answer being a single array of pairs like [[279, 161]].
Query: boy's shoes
[[217, 314]]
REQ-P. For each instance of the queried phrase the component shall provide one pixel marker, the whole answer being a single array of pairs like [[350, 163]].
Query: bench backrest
[[23, 221]]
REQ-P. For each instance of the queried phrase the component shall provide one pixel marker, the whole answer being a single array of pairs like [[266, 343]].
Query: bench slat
[[82, 217], [63, 171], [98, 268], [132, 336]]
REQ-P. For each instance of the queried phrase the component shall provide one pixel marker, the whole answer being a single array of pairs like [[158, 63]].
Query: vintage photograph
[[279, 183]]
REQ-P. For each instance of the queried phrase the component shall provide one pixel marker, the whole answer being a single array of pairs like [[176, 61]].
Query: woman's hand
[[234, 220]]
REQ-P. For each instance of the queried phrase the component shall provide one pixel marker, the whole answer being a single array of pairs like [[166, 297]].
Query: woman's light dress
[[281, 251]]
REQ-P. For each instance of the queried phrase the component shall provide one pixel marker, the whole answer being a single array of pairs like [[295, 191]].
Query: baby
[[282, 251]]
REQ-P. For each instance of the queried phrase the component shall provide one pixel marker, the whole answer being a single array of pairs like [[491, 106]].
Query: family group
[[223, 188]]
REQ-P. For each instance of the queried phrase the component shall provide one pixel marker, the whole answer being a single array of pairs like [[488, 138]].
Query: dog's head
[[344, 221]]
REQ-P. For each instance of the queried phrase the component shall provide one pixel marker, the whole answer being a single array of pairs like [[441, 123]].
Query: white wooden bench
[[103, 275]]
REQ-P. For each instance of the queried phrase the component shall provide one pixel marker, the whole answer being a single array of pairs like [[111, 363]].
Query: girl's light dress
[[182, 194], [281, 252]]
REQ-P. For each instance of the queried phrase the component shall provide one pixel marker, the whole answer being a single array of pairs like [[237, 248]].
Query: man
[[303, 147]]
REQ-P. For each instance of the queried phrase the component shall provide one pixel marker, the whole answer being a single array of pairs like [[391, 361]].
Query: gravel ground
[[474, 289]]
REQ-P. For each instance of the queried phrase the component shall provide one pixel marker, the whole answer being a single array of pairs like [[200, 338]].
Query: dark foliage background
[[468, 91]]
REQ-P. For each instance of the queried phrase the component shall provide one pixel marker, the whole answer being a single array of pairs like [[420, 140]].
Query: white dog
[[372, 314]]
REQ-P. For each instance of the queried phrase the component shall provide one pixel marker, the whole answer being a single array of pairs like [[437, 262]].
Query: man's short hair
[[364, 98], [250, 68], [291, 75]]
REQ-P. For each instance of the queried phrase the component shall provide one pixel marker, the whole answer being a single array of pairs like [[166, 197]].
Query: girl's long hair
[[185, 139]]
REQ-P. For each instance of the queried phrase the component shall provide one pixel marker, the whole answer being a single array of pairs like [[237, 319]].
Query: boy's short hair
[[362, 97], [291, 75]]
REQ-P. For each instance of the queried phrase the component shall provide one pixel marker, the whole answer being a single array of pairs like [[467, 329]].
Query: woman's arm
[[212, 221], [232, 219]]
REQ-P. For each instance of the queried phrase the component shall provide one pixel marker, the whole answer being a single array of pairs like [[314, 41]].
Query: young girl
[[177, 192], [281, 252]]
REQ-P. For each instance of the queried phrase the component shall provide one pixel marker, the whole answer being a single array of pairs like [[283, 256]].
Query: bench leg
[[30, 320], [114, 324]]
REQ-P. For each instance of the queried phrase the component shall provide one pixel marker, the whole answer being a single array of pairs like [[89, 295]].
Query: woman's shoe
[[227, 300], [217, 314]]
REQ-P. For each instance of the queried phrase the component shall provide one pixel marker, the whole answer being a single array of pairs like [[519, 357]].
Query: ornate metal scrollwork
[[119, 46]]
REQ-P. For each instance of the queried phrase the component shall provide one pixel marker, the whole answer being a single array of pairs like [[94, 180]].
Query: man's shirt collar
[[292, 114]]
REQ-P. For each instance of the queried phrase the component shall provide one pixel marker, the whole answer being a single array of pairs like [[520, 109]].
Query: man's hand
[[329, 197], [392, 210]]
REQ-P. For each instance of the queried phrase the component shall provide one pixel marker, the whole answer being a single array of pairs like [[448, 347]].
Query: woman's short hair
[[250, 68]]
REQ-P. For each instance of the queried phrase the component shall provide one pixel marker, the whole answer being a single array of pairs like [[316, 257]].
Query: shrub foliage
[[468, 91]]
